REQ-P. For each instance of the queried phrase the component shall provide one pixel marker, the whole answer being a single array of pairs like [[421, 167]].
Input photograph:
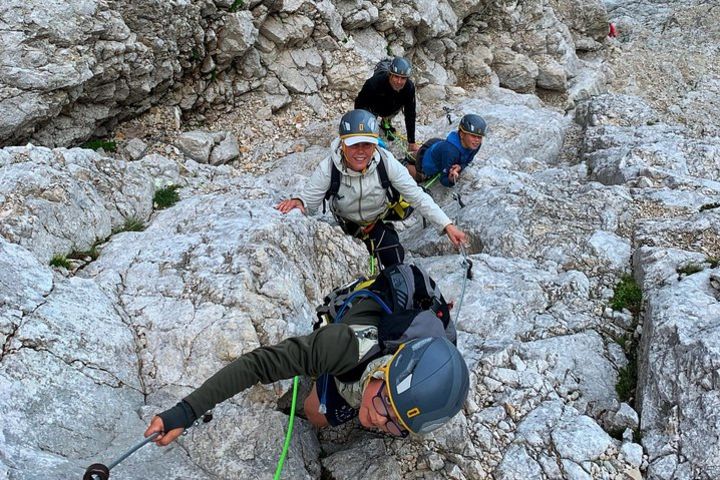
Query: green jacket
[[336, 349]]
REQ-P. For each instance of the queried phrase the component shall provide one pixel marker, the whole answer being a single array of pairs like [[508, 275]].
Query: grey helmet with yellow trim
[[428, 383], [358, 126], [473, 124], [401, 67]]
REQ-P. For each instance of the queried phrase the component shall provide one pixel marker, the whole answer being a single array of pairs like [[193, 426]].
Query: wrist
[[179, 416]]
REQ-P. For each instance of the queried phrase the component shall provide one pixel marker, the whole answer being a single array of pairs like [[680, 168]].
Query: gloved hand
[[171, 423], [179, 416]]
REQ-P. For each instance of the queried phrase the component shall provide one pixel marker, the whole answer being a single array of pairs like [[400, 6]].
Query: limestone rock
[[135, 148], [236, 36], [196, 145], [515, 71], [225, 150], [60, 201]]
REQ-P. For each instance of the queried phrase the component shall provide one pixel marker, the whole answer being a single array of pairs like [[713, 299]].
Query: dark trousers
[[420, 176], [384, 243]]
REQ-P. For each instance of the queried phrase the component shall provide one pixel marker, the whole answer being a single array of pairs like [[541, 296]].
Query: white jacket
[[361, 197]]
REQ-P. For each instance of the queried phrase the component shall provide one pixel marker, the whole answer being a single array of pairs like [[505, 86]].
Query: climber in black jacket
[[386, 93]]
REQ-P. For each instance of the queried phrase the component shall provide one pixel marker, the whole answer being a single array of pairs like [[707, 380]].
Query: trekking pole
[[467, 266], [98, 471]]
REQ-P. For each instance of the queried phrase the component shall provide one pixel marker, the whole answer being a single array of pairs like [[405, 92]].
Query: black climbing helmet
[[473, 124], [428, 383], [359, 126], [401, 67]]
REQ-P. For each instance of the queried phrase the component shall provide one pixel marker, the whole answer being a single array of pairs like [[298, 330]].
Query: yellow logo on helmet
[[361, 127], [413, 412]]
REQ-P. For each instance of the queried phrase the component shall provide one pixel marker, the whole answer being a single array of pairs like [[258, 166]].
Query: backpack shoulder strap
[[332, 191], [392, 194]]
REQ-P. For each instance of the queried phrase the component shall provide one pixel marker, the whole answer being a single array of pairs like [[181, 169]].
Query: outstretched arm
[[332, 349], [313, 193]]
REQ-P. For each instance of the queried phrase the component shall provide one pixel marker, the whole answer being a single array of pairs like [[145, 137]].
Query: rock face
[[559, 206], [59, 201], [677, 393], [64, 82]]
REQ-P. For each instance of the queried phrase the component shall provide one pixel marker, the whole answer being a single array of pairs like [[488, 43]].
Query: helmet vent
[[404, 385]]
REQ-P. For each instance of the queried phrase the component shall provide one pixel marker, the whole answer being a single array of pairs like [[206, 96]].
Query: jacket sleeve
[[404, 183], [449, 156], [364, 98], [409, 110], [316, 186], [332, 349]]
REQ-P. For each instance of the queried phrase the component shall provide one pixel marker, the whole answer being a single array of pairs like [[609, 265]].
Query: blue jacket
[[444, 154]]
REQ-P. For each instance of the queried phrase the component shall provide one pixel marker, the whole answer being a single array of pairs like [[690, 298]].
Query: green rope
[[400, 137], [288, 436], [428, 183]]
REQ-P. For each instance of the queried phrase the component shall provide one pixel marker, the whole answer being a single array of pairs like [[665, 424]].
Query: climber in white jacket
[[351, 179]]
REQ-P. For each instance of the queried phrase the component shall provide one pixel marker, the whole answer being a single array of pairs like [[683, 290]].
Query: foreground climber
[[451, 156], [352, 179], [396, 380], [387, 92]]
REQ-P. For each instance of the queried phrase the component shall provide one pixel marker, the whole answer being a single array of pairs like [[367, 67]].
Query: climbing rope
[[393, 135], [428, 183], [288, 435]]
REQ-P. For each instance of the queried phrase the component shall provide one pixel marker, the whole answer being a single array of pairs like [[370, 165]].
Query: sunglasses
[[380, 403]]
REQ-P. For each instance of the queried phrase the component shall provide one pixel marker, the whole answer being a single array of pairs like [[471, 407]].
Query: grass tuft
[[627, 380], [166, 197], [60, 261], [627, 295], [131, 225], [237, 5], [108, 146]]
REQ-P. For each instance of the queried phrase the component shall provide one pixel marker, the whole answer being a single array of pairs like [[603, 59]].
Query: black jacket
[[378, 97]]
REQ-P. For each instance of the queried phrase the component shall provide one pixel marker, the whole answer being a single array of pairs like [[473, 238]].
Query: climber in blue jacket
[[450, 156]]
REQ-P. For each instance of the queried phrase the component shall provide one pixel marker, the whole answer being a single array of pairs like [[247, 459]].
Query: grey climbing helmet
[[473, 124], [428, 382], [359, 126], [401, 67]]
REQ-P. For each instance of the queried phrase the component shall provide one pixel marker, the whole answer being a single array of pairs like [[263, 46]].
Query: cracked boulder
[[59, 201]]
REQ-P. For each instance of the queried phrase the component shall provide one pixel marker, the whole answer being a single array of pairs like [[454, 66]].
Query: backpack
[[424, 148], [383, 66], [413, 306], [398, 208]]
